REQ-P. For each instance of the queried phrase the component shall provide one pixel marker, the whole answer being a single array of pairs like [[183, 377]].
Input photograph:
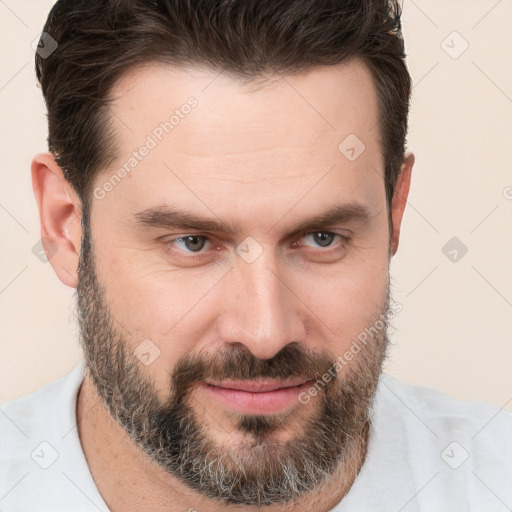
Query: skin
[[263, 157]]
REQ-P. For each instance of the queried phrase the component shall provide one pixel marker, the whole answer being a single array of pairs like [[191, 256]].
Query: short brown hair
[[99, 40]]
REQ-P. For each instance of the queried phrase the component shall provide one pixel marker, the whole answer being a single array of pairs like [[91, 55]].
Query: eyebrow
[[169, 217]]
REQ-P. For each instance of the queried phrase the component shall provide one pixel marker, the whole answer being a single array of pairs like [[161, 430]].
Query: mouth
[[256, 397]]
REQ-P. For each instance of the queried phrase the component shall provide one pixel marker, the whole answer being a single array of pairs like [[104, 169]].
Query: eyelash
[[328, 250]]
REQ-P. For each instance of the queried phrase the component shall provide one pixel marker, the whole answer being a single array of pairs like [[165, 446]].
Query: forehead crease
[[318, 94]]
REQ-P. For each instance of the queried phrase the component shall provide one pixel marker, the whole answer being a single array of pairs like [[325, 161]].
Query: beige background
[[454, 331]]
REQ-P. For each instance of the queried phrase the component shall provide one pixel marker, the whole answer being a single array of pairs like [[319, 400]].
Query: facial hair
[[261, 470]]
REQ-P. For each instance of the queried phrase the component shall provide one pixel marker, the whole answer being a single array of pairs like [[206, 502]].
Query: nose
[[261, 310]]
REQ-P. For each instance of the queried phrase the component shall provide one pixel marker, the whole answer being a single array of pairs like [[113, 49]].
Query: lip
[[256, 397], [257, 386]]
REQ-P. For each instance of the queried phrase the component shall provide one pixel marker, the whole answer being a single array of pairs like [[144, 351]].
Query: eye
[[324, 238], [191, 243], [194, 248]]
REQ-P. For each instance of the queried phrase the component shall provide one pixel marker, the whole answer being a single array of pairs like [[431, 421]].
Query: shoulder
[[32, 413], [428, 451], [442, 413], [40, 451], [460, 450]]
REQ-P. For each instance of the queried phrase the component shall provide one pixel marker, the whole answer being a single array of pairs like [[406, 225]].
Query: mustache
[[292, 360]]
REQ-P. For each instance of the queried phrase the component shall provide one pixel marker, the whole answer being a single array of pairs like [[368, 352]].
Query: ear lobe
[[60, 217], [400, 199]]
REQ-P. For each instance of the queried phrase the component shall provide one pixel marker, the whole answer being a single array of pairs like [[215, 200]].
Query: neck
[[129, 481]]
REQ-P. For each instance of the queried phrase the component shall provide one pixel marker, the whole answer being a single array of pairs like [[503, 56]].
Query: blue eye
[[197, 247], [324, 238], [193, 243]]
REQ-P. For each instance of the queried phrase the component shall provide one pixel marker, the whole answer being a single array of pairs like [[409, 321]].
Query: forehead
[[259, 138], [334, 99]]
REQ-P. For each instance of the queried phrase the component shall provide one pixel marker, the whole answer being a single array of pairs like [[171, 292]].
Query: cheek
[[345, 301], [171, 309]]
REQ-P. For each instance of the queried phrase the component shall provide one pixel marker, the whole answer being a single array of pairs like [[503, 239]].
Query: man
[[224, 188]]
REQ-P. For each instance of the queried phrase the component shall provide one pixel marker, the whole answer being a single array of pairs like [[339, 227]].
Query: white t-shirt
[[427, 452]]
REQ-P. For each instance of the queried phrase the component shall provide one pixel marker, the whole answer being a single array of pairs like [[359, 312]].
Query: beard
[[257, 469]]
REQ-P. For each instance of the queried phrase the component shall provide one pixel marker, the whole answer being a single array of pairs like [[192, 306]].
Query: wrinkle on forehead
[[283, 137], [297, 109]]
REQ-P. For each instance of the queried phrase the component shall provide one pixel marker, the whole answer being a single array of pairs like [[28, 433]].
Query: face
[[242, 247]]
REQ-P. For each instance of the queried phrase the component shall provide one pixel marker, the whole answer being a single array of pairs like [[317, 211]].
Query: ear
[[400, 200], [60, 215]]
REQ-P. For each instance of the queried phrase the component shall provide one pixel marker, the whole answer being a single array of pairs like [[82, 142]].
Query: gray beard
[[262, 471]]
